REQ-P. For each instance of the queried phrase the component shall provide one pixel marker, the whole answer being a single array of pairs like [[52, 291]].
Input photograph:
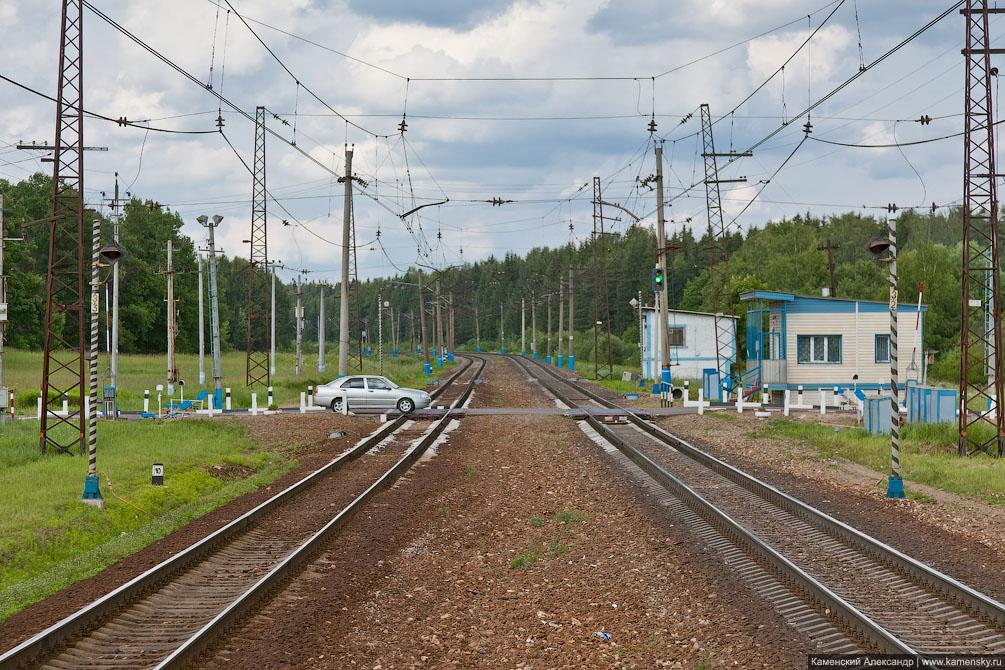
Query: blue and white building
[[692, 343], [820, 342]]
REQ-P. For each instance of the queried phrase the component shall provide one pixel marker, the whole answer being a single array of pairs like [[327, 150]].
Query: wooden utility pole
[[829, 247], [478, 334], [502, 330]]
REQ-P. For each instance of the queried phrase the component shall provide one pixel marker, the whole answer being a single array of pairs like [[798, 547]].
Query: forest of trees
[[778, 255]]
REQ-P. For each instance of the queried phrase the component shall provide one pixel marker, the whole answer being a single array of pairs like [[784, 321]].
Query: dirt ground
[[517, 545], [961, 537], [305, 438]]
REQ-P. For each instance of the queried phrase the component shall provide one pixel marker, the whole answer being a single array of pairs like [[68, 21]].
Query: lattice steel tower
[[258, 271], [980, 422], [718, 254], [65, 335]]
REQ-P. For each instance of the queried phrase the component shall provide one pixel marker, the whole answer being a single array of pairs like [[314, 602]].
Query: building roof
[[792, 297], [687, 311]]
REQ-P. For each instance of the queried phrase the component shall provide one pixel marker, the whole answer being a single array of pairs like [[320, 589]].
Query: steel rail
[[943, 585], [49, 639], [198, 642], [970, 599]]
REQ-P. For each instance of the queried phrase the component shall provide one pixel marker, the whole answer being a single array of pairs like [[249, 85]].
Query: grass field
[[928, 455], [22, 371], [49, 540]]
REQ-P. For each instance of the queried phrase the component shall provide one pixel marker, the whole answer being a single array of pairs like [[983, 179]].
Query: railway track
[[167, 616], [883, 600]]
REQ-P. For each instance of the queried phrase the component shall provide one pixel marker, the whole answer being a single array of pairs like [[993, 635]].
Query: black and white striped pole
[[895, 482]]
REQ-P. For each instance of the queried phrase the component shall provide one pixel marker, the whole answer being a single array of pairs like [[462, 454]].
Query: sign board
[[157, 474], [3, 312]]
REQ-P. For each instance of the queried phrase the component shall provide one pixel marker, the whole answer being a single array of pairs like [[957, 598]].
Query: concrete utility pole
[[533, 324], [299, 316], [571, 358], [439, 323], [321, 329], [214, 308], [523, 326], [661, 252], [478, 332], [172, 328], [549, 329], [422, 322], [450, 320], [380, 334], [114, 363], [202, 327], [5, 399], [343, 315], [561, 314], [272, 325], [502, 330]]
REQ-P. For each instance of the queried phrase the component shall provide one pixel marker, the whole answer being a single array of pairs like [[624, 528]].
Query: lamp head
[[111, 252], [217, 219], [202, 219], [878, 245]]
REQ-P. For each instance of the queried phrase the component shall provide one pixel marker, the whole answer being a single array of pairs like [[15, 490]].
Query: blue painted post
[[549, 360], [572, 362], [428, 368], [560, 360]]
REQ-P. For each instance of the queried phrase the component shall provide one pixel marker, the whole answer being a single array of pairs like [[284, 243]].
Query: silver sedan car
[[370, 392]]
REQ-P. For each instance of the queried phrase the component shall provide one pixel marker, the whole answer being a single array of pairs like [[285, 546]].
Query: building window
[[819, 348], [882, 348], [676, 336]]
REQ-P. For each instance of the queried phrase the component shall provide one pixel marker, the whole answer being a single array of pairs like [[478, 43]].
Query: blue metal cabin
[[821, 342]]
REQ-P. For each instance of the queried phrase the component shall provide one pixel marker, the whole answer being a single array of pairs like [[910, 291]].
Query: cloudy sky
[[520, 100]]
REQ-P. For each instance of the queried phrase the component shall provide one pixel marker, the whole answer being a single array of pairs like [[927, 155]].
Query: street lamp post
[[878, 245], [100, 256]]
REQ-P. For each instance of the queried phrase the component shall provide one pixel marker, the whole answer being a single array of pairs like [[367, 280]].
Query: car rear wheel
[[337, 405], [406, 405]]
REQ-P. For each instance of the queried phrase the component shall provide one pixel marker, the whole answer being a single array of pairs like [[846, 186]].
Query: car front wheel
[[406, 405], [337, 405]]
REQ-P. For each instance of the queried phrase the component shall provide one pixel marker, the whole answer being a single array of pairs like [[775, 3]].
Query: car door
[[379, 393], [355, 390]]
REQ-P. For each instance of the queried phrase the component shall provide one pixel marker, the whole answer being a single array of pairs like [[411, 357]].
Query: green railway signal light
[[657, 280]]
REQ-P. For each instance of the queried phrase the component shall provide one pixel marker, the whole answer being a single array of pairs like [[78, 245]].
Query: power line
[[121, 121]]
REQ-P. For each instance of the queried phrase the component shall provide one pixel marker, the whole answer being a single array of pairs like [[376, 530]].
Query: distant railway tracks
[[166, 617], [857, 593]]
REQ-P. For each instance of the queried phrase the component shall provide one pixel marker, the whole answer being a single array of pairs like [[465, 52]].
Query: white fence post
[[254, 404], [228, 399], [146, 401], [271, 399], [785, 406], [303, 402], [823, 402], [39, 407], [701, 400], [799, 396], [209, 406]]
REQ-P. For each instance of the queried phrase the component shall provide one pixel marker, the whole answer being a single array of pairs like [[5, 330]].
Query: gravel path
[[513, 547]]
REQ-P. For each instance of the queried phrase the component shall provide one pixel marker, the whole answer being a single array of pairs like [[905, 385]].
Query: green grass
[[536, 522], [527, 557], [928, 456], [22, 371], [568, 516], [49, 539]]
